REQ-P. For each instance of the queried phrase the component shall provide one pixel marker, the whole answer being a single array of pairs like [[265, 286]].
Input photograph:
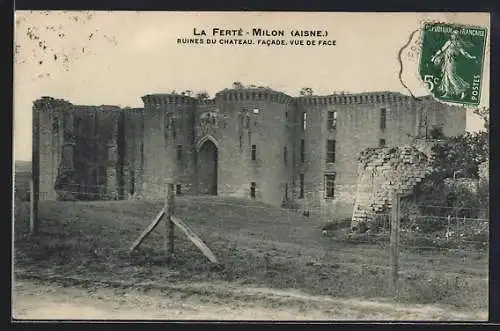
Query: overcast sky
[[117, 57]]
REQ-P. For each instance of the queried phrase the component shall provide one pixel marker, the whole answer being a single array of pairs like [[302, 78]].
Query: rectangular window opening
[[252, 189], [330, 186], [178, 190], [332, 119], [254, 152], [330, 152], [381, 142]]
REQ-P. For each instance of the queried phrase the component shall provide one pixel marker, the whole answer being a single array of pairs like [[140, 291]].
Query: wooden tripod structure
[[167, 214]]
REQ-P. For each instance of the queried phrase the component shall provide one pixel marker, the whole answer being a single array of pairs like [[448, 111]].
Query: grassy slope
[[22, 176], [257, 243]]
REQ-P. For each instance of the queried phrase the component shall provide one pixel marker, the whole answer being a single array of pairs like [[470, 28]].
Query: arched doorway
[[207, 167]]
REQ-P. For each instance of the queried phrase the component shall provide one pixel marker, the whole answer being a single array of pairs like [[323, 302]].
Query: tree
[[238, 85], [436, 132], [203, 95], [306, 91], [461, 154]]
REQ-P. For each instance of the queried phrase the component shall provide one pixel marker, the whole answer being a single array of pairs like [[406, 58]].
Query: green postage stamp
[[451, 61]]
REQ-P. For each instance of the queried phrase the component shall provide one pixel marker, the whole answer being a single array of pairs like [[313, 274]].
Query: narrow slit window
[[179, 152], [302, 151], [285, 155], [330, 152], [55, 125], [383, 118], [254, 152], [301, 186], [304, 121], [174, 129], [178, 189]]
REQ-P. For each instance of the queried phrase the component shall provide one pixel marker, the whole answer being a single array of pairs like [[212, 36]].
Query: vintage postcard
[[251, 166]]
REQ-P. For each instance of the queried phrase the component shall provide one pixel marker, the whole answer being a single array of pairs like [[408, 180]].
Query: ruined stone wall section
[[385, 171], [133, 140], [50, 114]]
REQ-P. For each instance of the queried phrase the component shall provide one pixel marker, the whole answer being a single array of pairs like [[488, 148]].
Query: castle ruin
[[253, 143]]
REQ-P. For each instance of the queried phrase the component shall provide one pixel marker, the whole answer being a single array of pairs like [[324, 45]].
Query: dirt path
[[35, 300]]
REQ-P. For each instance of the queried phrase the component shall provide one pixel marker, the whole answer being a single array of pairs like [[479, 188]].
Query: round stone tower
[[166, 144], [253, 141]]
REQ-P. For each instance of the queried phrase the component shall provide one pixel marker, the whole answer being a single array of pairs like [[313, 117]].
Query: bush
[[435, 198], [430, 224]]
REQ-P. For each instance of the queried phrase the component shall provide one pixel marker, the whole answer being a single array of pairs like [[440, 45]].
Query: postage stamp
[[451, 62]]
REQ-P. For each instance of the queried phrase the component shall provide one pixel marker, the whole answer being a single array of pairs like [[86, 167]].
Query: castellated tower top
[[253, 94], [49, 103], [52, 104], [359, 98], [167, 98]]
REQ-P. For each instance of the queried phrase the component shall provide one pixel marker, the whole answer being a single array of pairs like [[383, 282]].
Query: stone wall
[[48, 146], [73, 150], [253, 118], [138, 164], [359, 126], [382, 172]]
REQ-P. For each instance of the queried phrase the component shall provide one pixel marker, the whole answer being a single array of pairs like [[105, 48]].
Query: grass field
[[22, 176], [258, 245]]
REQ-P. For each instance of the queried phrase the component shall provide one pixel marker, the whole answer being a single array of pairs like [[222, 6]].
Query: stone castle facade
[[253, 143]]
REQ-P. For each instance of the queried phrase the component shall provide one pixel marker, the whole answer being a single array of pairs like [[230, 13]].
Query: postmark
[[451, 61]]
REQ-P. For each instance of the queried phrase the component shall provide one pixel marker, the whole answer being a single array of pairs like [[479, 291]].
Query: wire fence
[[430, 249]]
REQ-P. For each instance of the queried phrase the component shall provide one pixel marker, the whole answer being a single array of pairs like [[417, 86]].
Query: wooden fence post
[[35, 172], [169, 212], [394, 255], [33, 208]]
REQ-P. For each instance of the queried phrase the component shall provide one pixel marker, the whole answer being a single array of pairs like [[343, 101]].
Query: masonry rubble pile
[[381, 173]]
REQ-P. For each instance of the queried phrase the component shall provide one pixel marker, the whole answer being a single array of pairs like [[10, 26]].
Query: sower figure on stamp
[[451, 82]]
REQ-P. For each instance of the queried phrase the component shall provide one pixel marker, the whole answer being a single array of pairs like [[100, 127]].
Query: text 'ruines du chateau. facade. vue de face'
[[253, 143]]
